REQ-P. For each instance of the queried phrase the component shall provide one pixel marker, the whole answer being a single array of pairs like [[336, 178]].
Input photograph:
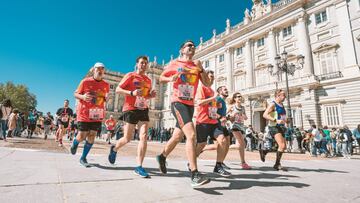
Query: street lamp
[[288, 68]]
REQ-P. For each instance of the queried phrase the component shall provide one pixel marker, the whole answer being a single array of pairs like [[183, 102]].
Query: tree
[[19, 95]]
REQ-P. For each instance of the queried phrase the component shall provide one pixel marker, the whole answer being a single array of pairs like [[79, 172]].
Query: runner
[[237, 116], [207, 124], [275, 113], [64, 114], [48, 120], [72, 128], [136, 87], [110, 127], [91, 93], [185, 75]]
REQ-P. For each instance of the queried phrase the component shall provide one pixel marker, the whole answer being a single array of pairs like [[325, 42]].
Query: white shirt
[[6, 111], [317, 135]]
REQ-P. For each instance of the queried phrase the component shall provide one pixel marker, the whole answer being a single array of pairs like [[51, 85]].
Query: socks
[[162, 156], [75, 142], [86, 150], [218, 164], [278, 157]]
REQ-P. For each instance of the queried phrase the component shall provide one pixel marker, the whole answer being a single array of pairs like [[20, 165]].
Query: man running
[[275, 113], [64, 114], [48, 121], [136, 87], [91, 93], [110, 127], [185, 75], [207, 125]]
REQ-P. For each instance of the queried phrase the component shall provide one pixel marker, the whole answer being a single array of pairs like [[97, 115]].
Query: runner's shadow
[[320, 170], [151, 171], [253, 176], [246, 184]]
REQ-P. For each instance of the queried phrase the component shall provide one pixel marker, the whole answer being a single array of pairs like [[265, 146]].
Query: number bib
[[239, 118], [213, 112], [96, 114], [65, 118], [141, 103], [186, 91]]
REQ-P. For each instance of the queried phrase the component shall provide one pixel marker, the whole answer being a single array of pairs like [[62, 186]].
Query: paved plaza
[[35, 175]]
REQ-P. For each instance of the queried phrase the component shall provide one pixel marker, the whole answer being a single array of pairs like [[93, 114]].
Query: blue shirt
[[222, 108], [356, 133]]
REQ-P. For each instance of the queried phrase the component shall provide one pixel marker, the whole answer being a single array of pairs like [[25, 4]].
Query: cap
[[98, 64]]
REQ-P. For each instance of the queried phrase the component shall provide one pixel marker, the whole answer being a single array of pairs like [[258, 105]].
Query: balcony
[[329, 76]]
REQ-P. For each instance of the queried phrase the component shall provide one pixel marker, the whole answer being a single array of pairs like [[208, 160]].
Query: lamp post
[[288, 68]]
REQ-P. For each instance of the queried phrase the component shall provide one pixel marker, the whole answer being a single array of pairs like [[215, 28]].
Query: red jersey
[[186, 84], [131, 82], [206, 113], [110, 124], [93, 111]]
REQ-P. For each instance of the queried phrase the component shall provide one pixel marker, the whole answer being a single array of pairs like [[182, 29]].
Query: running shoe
[[84, 163], [198, 179], [221, 171], [245, 166], [162, 163], [112, 155], [73, 148], [279, 168], [225, 166], [141, 172]]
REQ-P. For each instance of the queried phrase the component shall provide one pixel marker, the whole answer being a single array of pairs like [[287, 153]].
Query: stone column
[[304, 45], [249, 65], [272, 50], [116, 102], [229, 69], [346, 36]]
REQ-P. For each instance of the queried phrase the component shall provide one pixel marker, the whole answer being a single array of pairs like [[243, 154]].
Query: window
[[287, 31], [320, 17], [221, 58], [327, 63], [207, 64], [297, 117], [260, 42], [262, 77], [240, 82], [332, 115], [239, 51]]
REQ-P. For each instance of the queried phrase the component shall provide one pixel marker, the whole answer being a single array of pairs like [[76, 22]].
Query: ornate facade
[[327, 32]]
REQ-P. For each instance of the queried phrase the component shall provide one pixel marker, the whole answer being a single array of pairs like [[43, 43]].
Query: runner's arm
[[203, 75], [267, 112]]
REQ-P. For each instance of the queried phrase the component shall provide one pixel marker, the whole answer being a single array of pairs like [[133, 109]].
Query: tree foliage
[[19, 95]]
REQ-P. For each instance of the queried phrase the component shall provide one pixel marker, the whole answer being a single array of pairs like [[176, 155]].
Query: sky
[[50, 45]]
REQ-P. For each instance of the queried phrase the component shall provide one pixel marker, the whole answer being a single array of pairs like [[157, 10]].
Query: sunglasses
[[189, 45], [238, 97]]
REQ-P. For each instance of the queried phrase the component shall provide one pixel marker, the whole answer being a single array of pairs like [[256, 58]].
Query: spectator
[[5, 111], [356, 133], [12, 122], [249, 134], [349, 139]]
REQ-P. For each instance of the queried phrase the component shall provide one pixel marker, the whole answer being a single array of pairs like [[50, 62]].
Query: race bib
[[186, 91], [65, 118], [239, 118], [96, 114], [141, 103], [213, 112]]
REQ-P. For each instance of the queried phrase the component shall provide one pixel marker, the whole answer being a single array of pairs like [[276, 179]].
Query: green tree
[[19, 95]]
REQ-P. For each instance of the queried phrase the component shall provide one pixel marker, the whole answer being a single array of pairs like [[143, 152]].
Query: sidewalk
[[40, 176]]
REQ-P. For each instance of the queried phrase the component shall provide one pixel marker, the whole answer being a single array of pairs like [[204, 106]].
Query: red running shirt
[[206, 113], [93, 111], [186, 84], [110, 124], [131, 82]]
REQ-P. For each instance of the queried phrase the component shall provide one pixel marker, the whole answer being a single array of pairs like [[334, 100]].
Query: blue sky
[[50, 45]]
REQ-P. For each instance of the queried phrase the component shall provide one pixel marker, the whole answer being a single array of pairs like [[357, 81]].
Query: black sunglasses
[[189, 45]]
